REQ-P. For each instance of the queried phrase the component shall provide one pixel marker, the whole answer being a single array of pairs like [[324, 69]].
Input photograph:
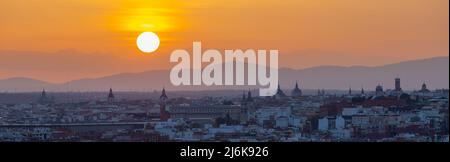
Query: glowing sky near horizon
[[306, 32]]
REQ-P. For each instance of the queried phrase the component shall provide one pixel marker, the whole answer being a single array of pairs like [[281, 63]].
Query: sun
[[147, 42]]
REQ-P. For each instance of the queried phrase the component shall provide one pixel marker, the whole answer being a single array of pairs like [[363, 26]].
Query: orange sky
[[59, 41]]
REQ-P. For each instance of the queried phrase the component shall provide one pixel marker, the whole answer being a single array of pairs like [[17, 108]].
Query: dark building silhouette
[[320, 92], [424, 88], [164, 114], [45, 98], [280, 93], [397, 84], [43, 94], [379, 90], [297, 92], [249, 96], [398, 90], [110, 96]]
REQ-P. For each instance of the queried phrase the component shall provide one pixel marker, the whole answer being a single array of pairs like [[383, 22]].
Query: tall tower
[[397, 84], [43, 94], [297, 92], [110, 96], [164, 115], [45, 99], [280, 93], [249, 96]]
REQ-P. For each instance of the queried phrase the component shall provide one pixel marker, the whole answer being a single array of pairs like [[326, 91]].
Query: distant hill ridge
[[433, 71]]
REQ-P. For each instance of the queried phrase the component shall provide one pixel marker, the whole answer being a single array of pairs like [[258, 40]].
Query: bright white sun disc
[[147, 42]]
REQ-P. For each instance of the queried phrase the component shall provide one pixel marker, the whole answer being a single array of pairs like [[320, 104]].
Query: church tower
[[164, 115], [110, 96], [297, 92], [350, 91], [45, 98], [249, 96], [280, 93], [397, 84]]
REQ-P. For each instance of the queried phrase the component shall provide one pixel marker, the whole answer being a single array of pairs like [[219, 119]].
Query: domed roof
[[280, 92], [379, 88]]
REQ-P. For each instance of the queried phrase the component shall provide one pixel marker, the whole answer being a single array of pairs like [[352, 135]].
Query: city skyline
[[383, 116]]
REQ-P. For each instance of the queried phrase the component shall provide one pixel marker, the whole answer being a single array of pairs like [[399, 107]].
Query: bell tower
[[110, 96], [164, 115]]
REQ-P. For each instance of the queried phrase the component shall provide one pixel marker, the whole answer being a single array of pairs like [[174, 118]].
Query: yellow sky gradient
[[101, 34]]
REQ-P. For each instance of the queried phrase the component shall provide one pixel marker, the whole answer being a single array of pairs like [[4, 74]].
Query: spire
[[280, 92], [362, 89], [110, 95], [249, 96], [43, 94], [45, 99], [164, 115], [296, 92], [397, 84], [349, 90], [163, 94]]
